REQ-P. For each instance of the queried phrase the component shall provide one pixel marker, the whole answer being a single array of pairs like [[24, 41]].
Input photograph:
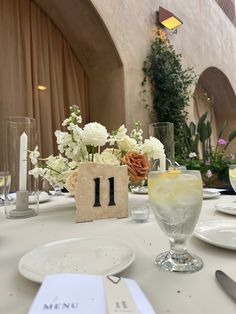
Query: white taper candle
[[23, 162]]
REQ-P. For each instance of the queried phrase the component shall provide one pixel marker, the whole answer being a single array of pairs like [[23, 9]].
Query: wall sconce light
[[41, 87], [168, 19]]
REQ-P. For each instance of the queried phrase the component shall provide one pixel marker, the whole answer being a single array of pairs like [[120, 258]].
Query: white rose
[[153, 148], [94, 134], [127, 144]]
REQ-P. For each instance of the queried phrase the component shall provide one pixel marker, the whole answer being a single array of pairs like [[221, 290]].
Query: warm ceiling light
[[168, 19], [41, 87]]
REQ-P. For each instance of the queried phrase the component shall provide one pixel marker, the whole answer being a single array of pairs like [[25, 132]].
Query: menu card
[[89, 294]]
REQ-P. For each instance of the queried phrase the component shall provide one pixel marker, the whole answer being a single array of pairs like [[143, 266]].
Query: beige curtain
[[34, 52]]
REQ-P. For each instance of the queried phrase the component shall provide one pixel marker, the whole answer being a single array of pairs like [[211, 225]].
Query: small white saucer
[[140, 190], [210, 193], [220, 233], [227, 207]]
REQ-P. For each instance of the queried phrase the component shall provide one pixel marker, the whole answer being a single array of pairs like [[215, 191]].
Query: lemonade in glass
[[232, 176], [5, 183], [175, 197]]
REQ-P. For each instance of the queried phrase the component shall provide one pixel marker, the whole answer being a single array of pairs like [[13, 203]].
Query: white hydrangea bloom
[[121, 132], [153, 148], [73, 164], [127, 144], [118, 135], [75, 128], [137, 133], [192, 155], [34, 155], [65, 122], [56, 164], [108, 158], [94, 134], [63, 140], [37, 172]]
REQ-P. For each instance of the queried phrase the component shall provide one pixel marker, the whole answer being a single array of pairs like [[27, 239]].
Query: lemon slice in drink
[[153, 181], [232, 173], [172, 185]]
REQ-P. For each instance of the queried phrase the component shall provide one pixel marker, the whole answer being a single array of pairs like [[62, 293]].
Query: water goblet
[[175, 197], [5, 184]]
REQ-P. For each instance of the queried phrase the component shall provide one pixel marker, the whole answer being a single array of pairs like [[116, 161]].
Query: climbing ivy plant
[[170, 85]]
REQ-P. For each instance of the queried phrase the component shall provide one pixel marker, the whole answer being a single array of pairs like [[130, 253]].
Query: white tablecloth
[[168, 292]]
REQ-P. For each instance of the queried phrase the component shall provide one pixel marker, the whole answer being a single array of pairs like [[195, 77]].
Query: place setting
[[229, 207], [221, 233], [87, 255]]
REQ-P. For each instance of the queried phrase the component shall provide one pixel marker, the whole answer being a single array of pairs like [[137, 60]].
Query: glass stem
[[178, 248]]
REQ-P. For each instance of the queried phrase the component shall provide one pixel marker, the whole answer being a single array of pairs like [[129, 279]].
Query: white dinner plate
[[43, 197], [89, 255], [140, 190], [220, 233], [226, 207]]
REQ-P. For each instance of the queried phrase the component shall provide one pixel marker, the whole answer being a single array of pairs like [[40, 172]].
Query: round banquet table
[[168, 292]]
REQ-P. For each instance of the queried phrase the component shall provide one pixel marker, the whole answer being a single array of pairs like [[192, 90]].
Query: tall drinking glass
[[164, 132], [175, 197]]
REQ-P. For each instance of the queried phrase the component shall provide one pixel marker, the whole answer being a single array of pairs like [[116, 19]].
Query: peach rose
[[71, 182], [137, 164]]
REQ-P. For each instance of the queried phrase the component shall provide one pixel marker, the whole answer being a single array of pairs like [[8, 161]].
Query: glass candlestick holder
[[164, 131], [20, 138]]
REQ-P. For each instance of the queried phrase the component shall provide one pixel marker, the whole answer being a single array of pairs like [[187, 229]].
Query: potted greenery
[[170, 84], [213, 162]]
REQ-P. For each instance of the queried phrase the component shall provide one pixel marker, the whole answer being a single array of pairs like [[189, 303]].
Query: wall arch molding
[[213, 83]]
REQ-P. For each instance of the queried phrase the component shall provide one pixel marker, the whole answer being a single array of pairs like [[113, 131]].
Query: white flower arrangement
[[86, 144]]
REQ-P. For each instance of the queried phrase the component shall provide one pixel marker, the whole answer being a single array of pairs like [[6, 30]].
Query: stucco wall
[[206, 38]]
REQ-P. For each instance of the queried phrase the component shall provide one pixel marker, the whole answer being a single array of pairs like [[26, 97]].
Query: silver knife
[[227, 283]]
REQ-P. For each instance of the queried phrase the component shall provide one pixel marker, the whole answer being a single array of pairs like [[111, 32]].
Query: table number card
[[101, 192]]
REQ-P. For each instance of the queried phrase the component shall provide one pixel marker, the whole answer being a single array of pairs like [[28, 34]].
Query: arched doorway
[[215, 94], [84, 29]]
